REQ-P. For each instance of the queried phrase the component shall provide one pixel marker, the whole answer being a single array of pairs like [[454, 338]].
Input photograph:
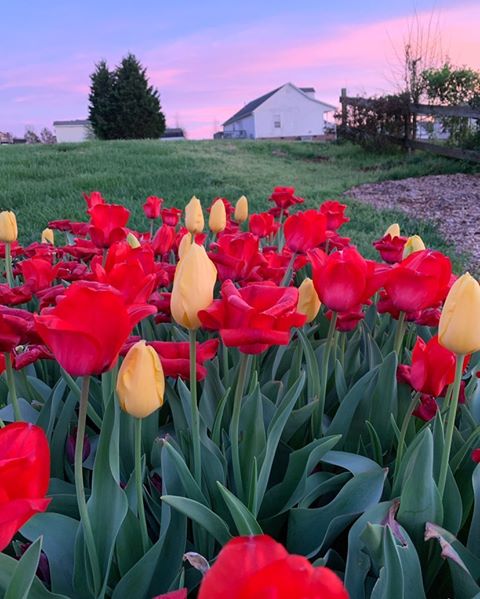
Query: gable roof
[[254, 104], [250, 107]]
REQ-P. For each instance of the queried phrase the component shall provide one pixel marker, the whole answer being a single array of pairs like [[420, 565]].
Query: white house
[[288, 112], [73, 131]]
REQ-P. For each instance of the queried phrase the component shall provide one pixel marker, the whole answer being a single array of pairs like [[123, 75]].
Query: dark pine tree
[[101, 107], [138, 113]]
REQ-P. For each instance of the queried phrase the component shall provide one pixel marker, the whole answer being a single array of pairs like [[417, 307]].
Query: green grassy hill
[[41, 183]]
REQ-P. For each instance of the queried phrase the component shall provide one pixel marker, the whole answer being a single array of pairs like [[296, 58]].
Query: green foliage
[[451, 86], [122, 103]]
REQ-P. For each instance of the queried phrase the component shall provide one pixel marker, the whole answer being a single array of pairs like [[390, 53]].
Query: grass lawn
[[41, 183]]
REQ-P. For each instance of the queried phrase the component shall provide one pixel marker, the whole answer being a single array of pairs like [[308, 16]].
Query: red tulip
[[14, 296], [83, 249], [237, 257], [88, 327], [305, 230], [13, 327], [426, 409], [476, 455], [336, 241], [260, 568], [344, 280], [284, 197], [30, 355], [164, 240], [420, 281], [180, 594], [24, 477], [262, 225], [171, 216], [432, 369], [175, 356], [60, 225], [254, 317], [107, 224], [335, 213], [38, 273], [390, 248], [93, 199], [153, 207], [347, 321]]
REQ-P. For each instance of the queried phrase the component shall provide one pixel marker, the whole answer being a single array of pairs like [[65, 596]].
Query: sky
[[209, 58]]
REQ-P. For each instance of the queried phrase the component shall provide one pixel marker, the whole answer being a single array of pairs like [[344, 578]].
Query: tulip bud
[[194, 216], [48, 236], [241, 210], [193, 285], [308, 300], [218, 217], [459, 326], [8, 227], [413, 244], [184, 244], [140, 382], [393, 230], [133, 241]]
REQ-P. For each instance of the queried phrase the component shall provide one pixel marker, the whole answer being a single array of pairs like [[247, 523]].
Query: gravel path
[[452, 202]]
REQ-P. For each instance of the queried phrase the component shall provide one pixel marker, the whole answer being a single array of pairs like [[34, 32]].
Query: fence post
[[343, 102]]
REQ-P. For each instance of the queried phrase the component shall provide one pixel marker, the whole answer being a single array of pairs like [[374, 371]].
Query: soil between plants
[[451, 202]]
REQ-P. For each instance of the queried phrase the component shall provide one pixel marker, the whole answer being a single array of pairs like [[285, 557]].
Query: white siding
[[235, 129], [72, 133], [296, 114]]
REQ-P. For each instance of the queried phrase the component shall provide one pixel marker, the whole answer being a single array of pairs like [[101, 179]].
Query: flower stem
[[235, 424], [79, 487], [324, 374], [197, 457], [139, 484], [288, 273], [442, 479], [11, 387], [399, 334], [8, 264], [403, 432]]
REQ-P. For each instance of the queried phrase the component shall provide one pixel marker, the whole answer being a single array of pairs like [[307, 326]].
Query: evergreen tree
[[102, 113], [123, 105]]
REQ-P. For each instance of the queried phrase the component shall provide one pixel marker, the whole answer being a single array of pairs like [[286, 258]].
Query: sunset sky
[[209, 58]]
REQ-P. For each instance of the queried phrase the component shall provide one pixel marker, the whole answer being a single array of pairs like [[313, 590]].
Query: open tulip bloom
[[251, 410]]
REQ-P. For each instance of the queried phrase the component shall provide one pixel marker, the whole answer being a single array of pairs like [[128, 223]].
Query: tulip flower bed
[[246, 410]]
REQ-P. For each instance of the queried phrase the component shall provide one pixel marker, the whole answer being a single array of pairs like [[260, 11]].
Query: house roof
[[254, 104], [250, 107], [173, 132], [82, 122]]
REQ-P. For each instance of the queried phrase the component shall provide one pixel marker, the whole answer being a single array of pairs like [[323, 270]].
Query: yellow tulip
[[8, 227], [133, 241], [48, 236], [393, 230], [194, 216], [141, 382], [218, 217], [184, 244], [308, 300], [193, 285], [241, 210], [459, 327], [414, 244]]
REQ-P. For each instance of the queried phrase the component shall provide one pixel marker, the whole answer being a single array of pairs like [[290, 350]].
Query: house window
[[277, 123]]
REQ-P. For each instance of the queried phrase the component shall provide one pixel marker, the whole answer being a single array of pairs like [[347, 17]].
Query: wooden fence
[[408, 140]]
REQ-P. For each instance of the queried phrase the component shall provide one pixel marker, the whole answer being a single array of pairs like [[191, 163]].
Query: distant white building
[[81, 130], [73, 131], [288, 112]]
